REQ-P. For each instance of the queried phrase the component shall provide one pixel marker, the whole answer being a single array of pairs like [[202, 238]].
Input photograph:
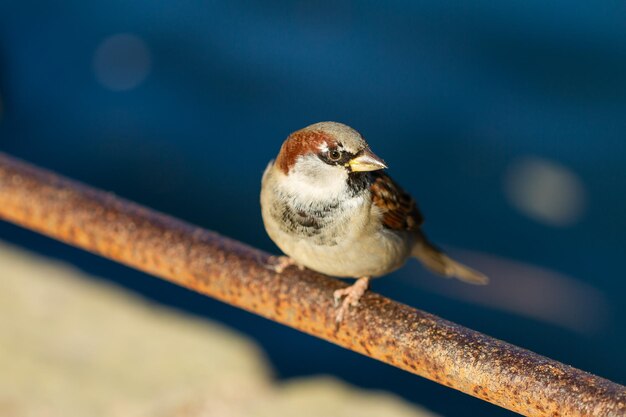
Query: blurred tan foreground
[[73, 346]]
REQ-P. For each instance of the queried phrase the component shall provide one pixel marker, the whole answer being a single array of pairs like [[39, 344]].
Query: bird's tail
[[438, 262]]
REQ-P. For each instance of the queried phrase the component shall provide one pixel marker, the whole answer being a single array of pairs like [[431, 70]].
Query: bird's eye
[[334, 155]]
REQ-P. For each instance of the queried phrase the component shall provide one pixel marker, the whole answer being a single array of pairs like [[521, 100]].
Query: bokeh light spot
[[122, 62], [545, 191]]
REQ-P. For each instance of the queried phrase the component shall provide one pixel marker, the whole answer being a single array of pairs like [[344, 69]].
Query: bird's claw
[[279, 263], [352, 296]]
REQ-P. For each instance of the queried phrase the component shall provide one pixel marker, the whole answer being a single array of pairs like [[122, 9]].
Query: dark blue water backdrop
[[506, 120]]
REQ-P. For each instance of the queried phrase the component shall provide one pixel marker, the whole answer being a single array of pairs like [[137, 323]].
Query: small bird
[[328, 205]]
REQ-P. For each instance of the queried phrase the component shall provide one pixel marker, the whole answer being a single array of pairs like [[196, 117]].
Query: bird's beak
[[366, 161]]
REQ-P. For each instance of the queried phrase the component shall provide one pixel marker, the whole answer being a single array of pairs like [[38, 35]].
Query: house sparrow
[[328, 205]]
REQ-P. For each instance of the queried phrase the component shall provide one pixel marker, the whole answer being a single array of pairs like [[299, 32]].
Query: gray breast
[[313, 221]]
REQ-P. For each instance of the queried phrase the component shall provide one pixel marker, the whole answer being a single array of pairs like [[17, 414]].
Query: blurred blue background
[[506, 120]]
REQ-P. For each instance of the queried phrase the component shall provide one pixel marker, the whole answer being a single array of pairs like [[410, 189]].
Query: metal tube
[[410, 339]]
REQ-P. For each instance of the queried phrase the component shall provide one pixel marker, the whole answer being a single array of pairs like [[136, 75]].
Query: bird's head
[[325, 156]]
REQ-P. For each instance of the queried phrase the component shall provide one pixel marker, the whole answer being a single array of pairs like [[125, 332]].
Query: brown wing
[[399, 210]]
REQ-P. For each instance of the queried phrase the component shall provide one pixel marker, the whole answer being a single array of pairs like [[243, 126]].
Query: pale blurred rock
[[72, 346]]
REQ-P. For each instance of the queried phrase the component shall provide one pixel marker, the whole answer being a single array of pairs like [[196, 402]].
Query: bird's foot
[[280, 263], [352, 295]]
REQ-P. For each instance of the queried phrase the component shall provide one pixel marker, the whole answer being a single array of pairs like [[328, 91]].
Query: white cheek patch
[[312, 179]]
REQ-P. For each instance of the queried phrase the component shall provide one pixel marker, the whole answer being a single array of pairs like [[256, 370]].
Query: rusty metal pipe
[[410, 339]]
